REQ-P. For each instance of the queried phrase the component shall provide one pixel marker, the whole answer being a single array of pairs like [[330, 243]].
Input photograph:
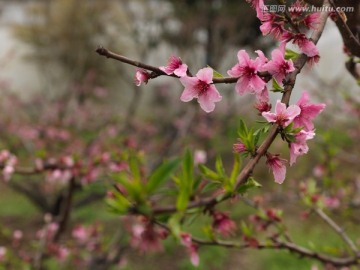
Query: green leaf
[[133, 188], [276, 86], [134, 168], [182, 200], [249, 184], [161, 174], [290, 54], [174, 225], [246, 230], [119, 204], [220, 167], [188, 168], [235, 170], [216, 74], [242, 130], [209, 174]]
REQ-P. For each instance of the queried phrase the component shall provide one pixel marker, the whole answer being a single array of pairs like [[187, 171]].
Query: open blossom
[[247, 72], [308, 112], [300, 147], [305, 45], [175, 66], [201, 87], [141, 76], [278, 66], [223, 224], [283, 116], [278, 167]]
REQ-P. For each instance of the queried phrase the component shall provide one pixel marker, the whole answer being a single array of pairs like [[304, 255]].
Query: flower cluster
[[300, 116]]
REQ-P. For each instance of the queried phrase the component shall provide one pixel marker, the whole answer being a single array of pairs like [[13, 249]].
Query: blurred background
[[59, 98]]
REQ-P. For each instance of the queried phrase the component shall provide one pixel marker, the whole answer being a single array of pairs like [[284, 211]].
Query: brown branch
[[337, 229], [277, 244], [66, 209], [158, 72], [349, 29]]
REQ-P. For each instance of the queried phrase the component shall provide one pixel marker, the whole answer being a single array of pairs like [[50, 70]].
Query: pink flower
[[278, 66], [272, 25], [306, 46], [201, 87], [308, 112], [246, 70], [141, 76], [147, 237], [175, 66], [277, 165], [258, 5], [239, 148], [283, 116], [223, 224], [191, 248], [299, 147], [312, 20]]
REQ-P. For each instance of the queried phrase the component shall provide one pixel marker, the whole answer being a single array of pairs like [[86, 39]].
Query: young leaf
[[276, 86], [208, 173], [220, 167], [242, 130], [216, 74], [161, 174], [289, 54], [188, 168], [182, 200], [249, 184], [134, 168], [235, 171]]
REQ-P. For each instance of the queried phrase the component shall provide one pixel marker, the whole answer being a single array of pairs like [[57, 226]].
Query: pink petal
[[181, 71], [269, 116], [279, 107], [189, 82], [279, 173], [242, 85], [205, 75], [243, 57], [188, 94], [304, 99], [235, 71], [292, 111], [208, 99], [257, 84]]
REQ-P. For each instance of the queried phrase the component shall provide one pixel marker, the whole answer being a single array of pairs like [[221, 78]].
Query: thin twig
[[337, 229]]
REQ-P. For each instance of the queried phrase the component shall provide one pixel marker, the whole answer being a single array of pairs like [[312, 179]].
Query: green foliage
[[289, 54], [161, 174], [276, 88], [186, 181]]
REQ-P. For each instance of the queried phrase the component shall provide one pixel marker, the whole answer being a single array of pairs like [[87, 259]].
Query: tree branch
[[337, 229]]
